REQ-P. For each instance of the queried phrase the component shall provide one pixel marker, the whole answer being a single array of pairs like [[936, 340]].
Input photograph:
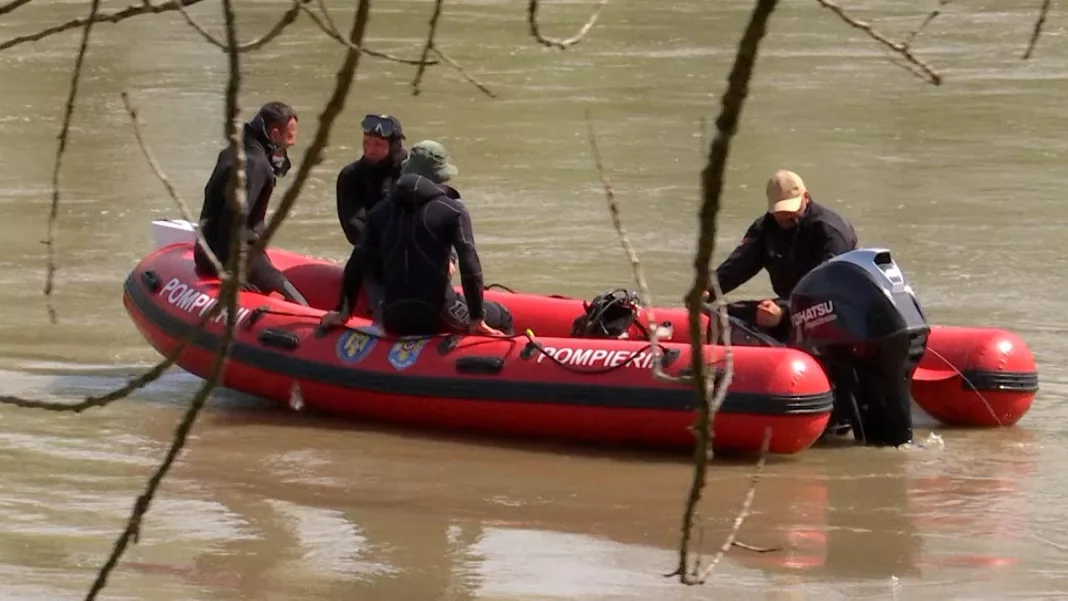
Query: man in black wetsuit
[[411, 238], [266, 137], [792, 238], [364, 182]]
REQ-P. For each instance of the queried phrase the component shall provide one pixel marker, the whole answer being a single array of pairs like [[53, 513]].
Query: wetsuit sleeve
[[363, 254], [256, 177], [744, 262], [470, 267], [352, 215]]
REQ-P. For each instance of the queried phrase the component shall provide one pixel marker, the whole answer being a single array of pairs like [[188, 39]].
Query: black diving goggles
[[379, 126]]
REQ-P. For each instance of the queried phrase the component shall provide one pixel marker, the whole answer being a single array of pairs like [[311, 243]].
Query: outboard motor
[[858, 316]]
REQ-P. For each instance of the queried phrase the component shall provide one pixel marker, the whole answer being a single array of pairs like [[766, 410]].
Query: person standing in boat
[[411, 238], [266, 138], [792, 238]]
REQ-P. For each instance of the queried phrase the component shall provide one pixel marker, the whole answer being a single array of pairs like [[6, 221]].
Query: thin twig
[[632, 255], [427, 47], [898, 47], [927, 21], [333, 108], [64, 132], [133, 10], [331, 30], [1039, 22], [532, 20], [754, 548], [287, 19], [183, 208], [455, 65], [744, 513], [236, 191], [132, 385], [712, 188], [10, 6]]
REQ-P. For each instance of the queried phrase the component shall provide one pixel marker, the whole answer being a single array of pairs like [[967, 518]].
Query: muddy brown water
[[964, 182]]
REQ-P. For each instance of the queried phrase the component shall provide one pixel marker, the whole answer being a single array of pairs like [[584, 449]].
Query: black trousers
[[405, 320], [263, 276]]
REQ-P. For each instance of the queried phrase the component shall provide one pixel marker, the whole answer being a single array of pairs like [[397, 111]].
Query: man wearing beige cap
[[792, 238]]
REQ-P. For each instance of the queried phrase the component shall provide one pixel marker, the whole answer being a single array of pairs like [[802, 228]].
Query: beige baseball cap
[[785, 192]]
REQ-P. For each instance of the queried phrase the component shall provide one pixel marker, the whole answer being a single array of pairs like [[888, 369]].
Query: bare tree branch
[[632, 255], [712, 189], [331, 30], [183, 208], [10, 6], [927, 21], [532, 20], [1043, 12], [333, 108], [732, 537], [470, 78], [428, 46], [236, 191], [287, 19], [132, 385], [133, 10], [64, 132], [898, 47]]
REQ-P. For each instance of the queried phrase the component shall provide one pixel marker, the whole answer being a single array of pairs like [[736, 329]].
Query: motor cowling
[[859, 317]]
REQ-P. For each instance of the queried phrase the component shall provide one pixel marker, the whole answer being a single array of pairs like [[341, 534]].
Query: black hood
[[416, 190], [256, 130]]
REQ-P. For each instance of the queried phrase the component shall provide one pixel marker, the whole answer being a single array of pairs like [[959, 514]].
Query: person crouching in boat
[[367, 181], [266, 138], [410, 238], [792, 238]]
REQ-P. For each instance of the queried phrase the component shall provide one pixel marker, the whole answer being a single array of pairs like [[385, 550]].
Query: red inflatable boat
[[544, 384], [549, 386]]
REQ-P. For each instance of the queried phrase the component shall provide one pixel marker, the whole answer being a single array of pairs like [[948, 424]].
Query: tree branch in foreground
[[236, 191], [1039, 22], [10, 6], [632, 255], [463, 72], [133, 10], [183, 208], [732, 537], [333, 108], [535, 31], [287, 19], [434, 17], [64, 132], [119, 393], [927, 21], [712, 190], [900, 48], [330, 29]]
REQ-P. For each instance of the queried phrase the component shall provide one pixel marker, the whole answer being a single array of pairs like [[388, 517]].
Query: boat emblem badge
[[354, 345], [405, 352]]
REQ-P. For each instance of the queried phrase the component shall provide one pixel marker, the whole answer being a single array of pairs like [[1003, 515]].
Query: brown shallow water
[[964, 182]]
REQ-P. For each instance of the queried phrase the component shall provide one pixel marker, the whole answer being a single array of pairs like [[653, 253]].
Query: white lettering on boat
[[194, 301], [588, 357], [815, 315]]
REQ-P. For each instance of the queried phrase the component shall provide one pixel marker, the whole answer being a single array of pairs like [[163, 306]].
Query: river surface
[[964, 182]]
